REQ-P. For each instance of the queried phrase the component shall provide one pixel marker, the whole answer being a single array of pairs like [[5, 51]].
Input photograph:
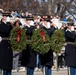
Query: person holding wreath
[[6, 54], [46, 59], [70, 50], [28, 58]]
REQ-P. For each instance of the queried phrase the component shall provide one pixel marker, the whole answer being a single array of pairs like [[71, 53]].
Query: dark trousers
[[30, 71], [48, 71], [7, 72], [72, 71]]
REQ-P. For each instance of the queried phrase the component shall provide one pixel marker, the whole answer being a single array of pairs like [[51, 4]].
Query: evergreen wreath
[[40, 41], [57, 40], [18, 39]]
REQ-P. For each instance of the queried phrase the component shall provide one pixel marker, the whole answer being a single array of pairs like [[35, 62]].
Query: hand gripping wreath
[[57, 41], [40, 41], [18, 39]]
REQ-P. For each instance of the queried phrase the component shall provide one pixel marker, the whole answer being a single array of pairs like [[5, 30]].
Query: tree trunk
[[49, 7]]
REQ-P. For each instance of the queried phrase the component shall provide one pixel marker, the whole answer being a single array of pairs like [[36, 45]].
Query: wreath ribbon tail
[[18, 38], [43, 38]]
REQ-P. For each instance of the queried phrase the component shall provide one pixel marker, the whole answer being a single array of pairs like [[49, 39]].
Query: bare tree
[[60, 7], [50, 7]]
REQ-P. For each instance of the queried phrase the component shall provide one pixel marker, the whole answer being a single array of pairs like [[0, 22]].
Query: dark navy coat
[[70, 55], [28, 58], [6, 54], [47, 59], [70, 49]]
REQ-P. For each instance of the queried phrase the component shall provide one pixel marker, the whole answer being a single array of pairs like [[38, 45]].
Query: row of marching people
[[28, 56]]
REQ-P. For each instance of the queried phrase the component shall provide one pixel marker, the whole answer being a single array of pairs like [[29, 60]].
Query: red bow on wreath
[[18, 35], [42, 35]]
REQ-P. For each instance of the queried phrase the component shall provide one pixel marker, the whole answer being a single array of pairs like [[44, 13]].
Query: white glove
[[8, 19], [0, 38]]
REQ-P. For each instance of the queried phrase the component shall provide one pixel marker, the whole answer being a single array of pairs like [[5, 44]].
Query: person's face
[[4, 19], [38, 27], [70, 27]]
